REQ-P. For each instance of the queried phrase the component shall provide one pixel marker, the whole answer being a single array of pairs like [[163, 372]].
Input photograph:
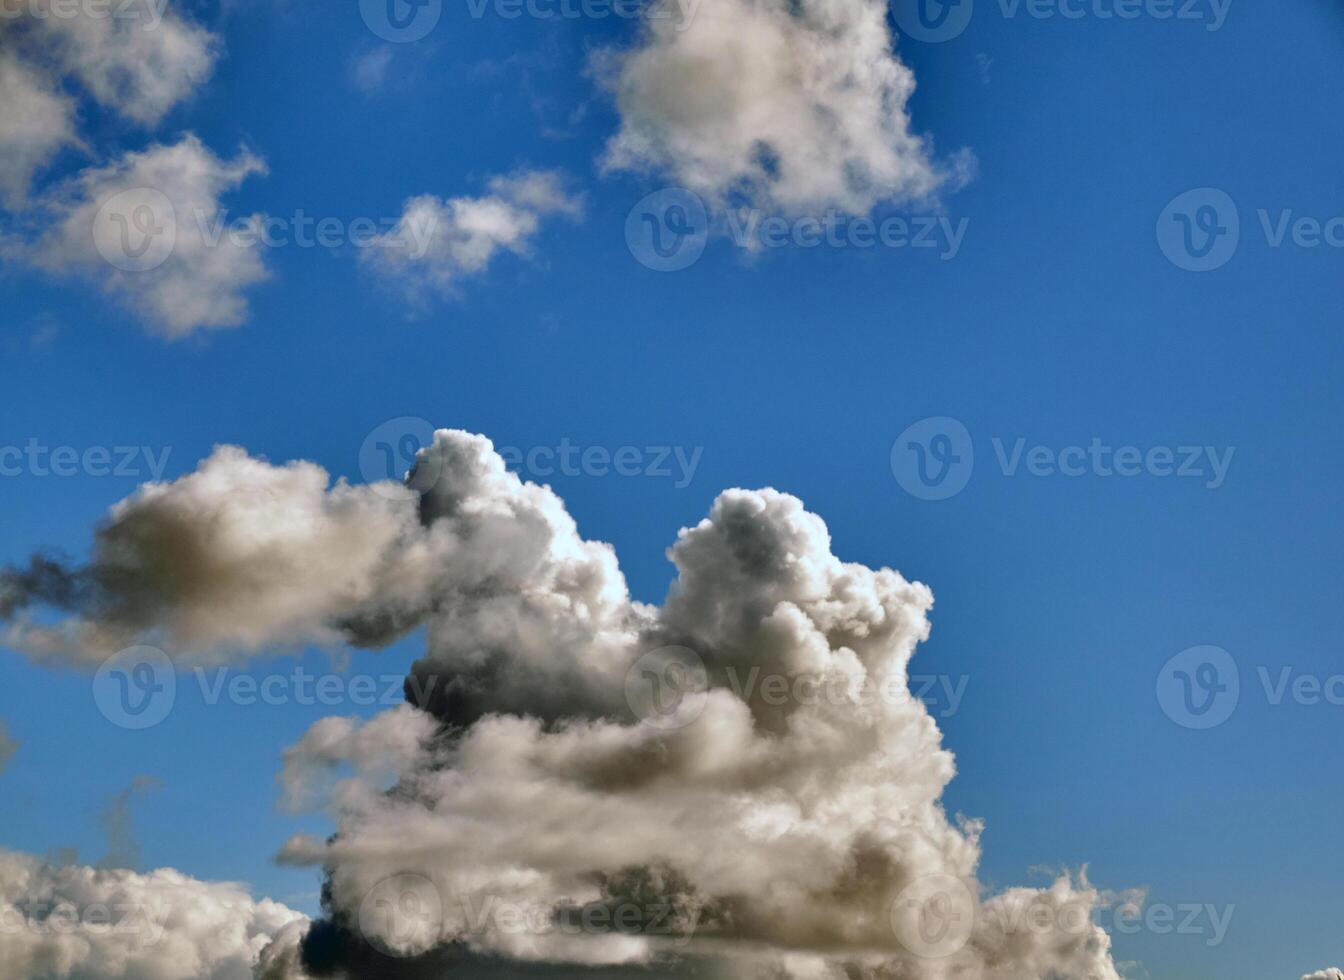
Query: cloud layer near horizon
[[75, 922]]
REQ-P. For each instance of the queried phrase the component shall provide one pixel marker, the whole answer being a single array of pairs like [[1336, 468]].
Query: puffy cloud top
[[799, 107], [778, 819]]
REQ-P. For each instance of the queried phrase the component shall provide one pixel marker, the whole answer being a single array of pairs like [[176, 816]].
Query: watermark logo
[[933, 459], [749, 229], [667, 230], [401, 21], [402, 916], [135, 230], [1199, 230], [136, 688], [149, 13], [388, 453], [1199, 687], [667, 688], [134, 925], [940, 693], [934, 916], [933, 21], [40, 460]]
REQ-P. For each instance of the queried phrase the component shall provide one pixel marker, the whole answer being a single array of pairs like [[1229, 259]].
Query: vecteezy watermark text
[[1201, 686], [933, 459], [406, 21], [138, 925], [669, 229], [35, 458], [390, 451], [1201, 230], [302, 230], [148, 12], [138, 687], [140, 228], [407, 914], [934, 21], [666, 688], [570, 459], [935, 915]]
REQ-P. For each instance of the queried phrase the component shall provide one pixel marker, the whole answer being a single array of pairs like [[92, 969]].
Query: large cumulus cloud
[[528, 813]]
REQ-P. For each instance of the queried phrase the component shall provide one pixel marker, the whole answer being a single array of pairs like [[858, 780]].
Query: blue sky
[[1058, 321]]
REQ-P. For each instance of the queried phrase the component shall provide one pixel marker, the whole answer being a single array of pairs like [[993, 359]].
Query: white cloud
[[75, 922], [798, 106], [1332, 973], [437, 243], [779, 834], [143, 228], [236, 556], [36, 120], [375, 749], [138, 59]]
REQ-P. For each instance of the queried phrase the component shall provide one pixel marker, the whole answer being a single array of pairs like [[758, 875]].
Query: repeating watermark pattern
[[389, 452], [402, 915], [36, 458], [1201, 229], [1037, 913], [302, 230], [666, 688], [935, 21], [751, 230], [679, 12], [404, 21], [668, 230], [137, 925], [135, 230], [1200, 687], [933, 459], [934, 916], [138, 230], [1200, 919], [939, 693], [148, 13], [138, 688], [401, 21], [407, 914], [676, 463]]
